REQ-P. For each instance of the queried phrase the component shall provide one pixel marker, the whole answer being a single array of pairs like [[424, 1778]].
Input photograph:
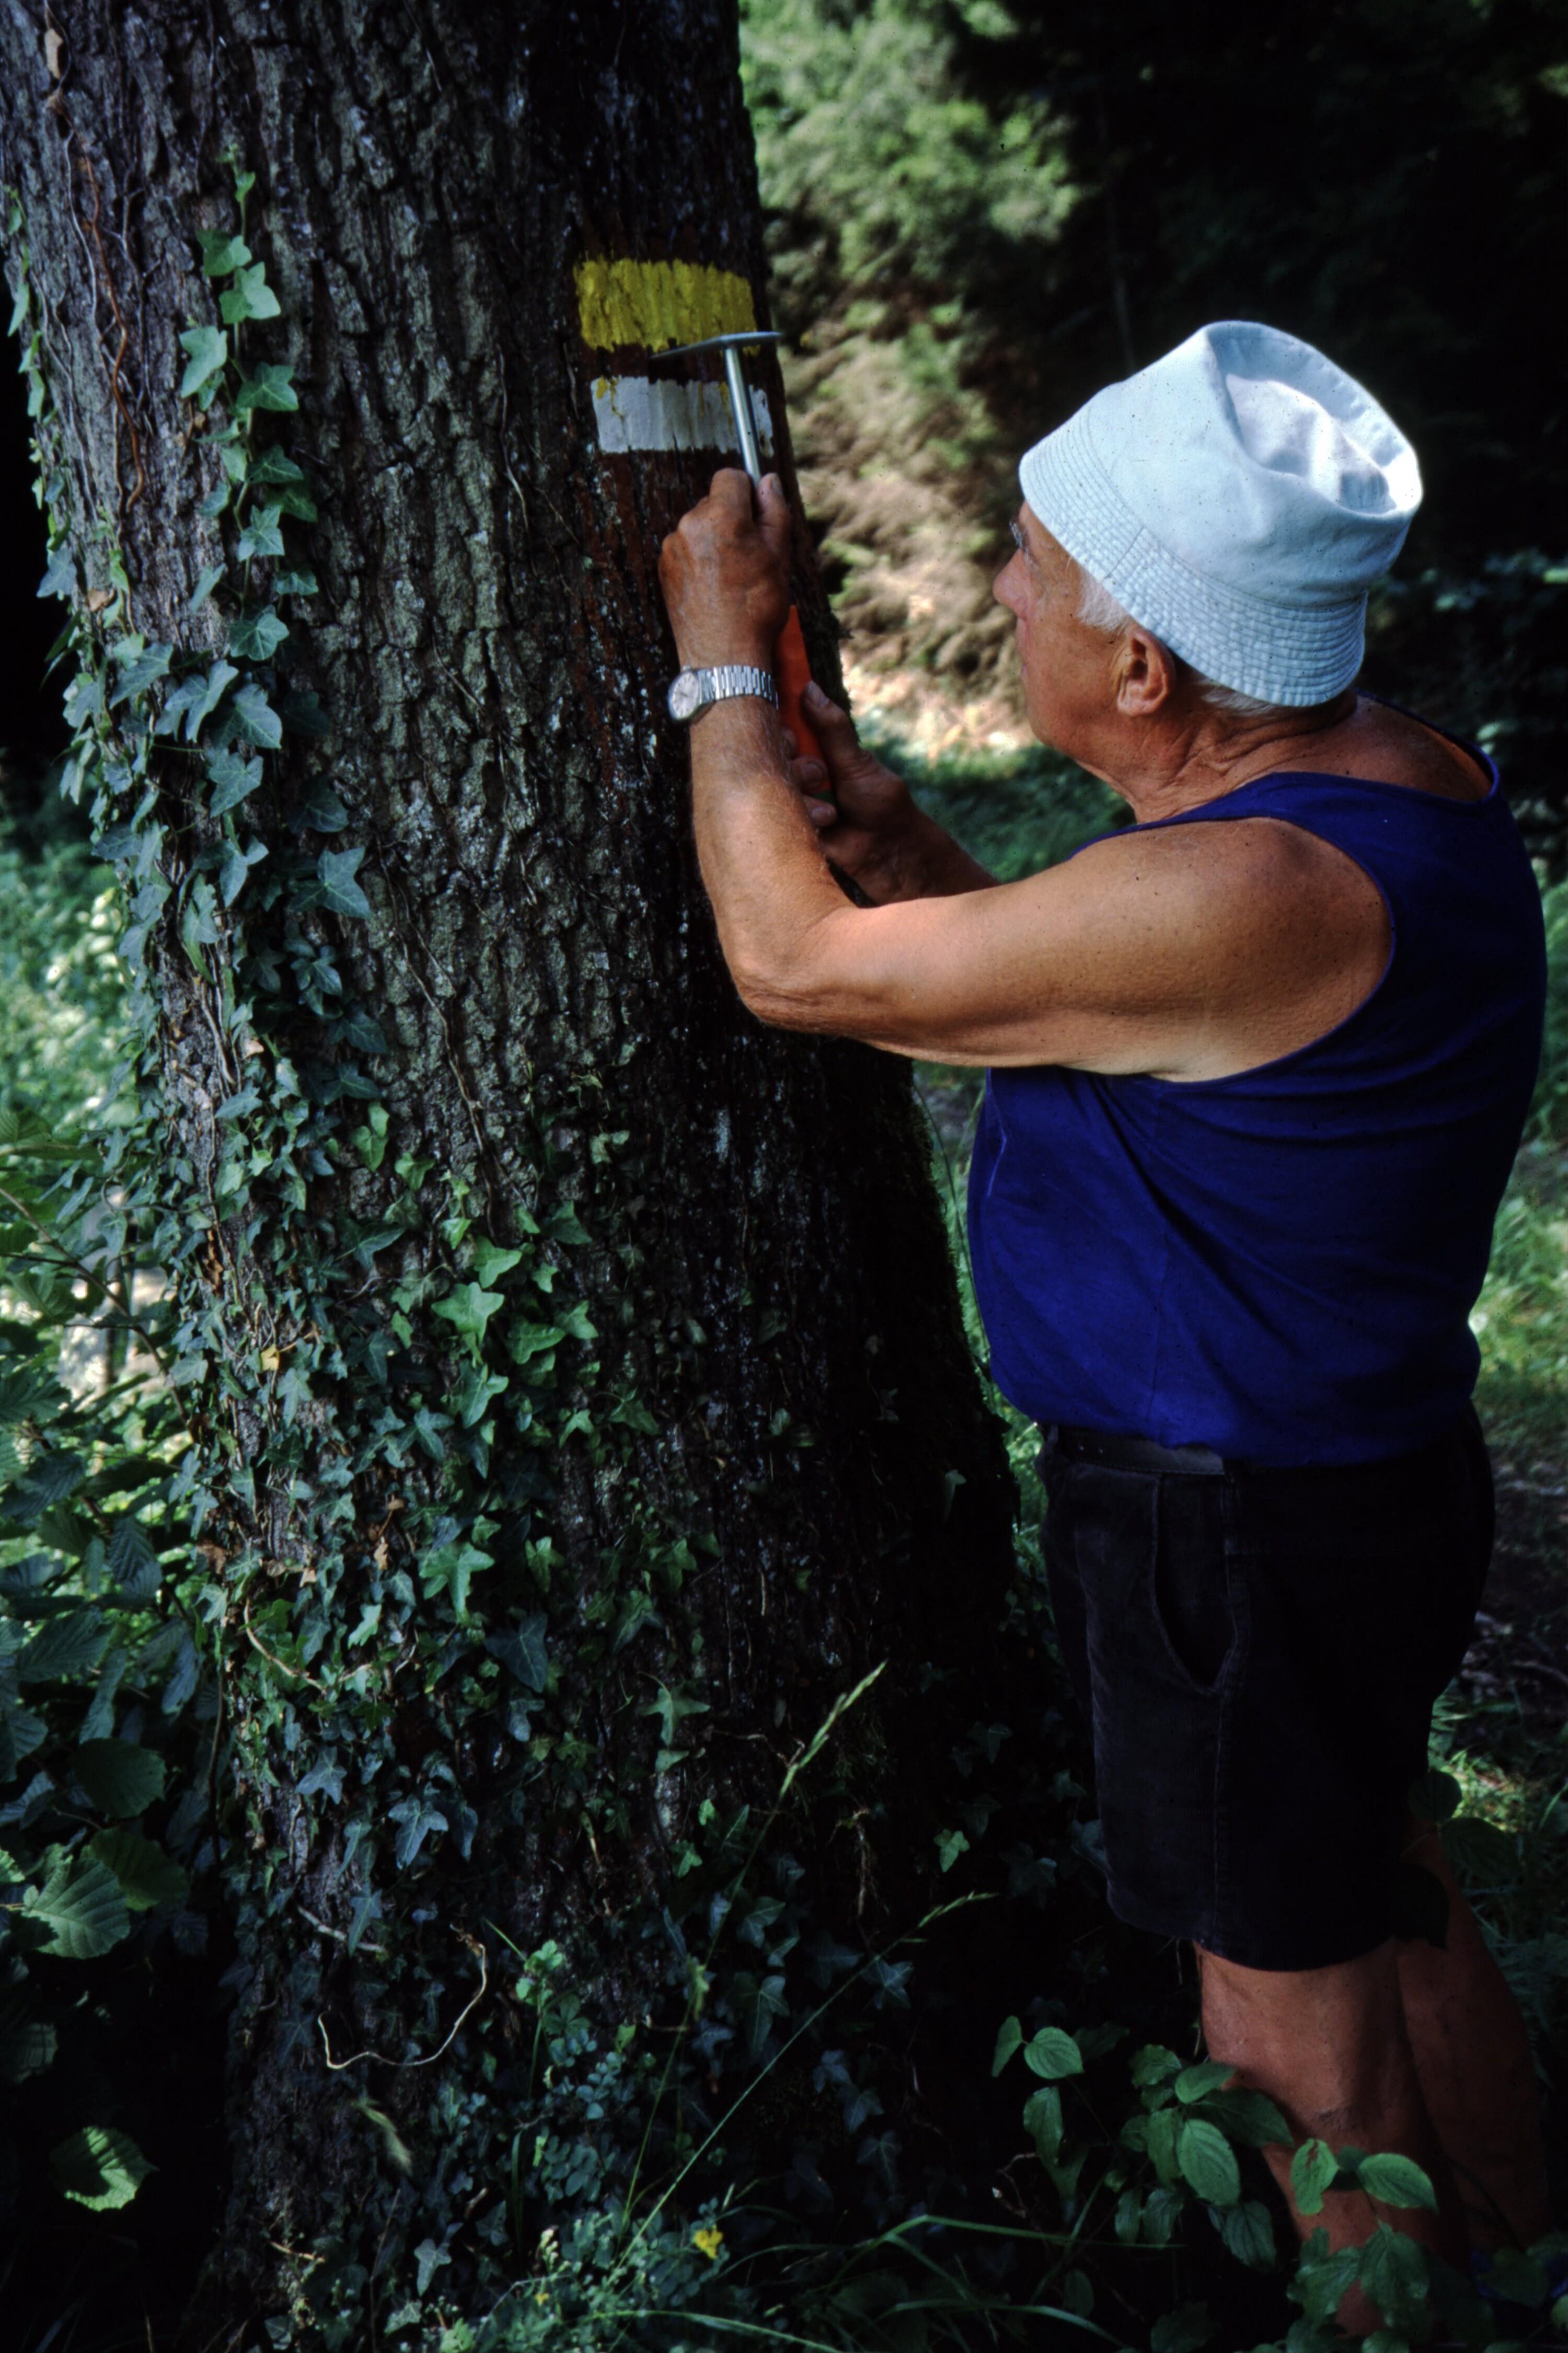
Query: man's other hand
[[868, 827], [724, 571]]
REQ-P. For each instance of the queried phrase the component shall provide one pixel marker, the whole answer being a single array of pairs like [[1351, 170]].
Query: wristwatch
[[692, 691]]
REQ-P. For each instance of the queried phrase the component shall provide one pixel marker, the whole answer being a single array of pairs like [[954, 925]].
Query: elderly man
[[1259, 1064]]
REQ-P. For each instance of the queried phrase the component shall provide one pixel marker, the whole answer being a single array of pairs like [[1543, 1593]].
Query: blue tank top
[[1281, 1264]]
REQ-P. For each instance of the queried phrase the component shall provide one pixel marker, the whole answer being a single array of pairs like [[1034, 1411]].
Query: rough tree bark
[[779, 1385]]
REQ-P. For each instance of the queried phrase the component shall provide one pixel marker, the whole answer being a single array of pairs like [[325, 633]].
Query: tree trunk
[[579, 1397]]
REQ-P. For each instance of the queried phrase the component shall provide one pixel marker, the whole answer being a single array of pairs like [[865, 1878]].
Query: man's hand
[[875, 833], [724, 571]]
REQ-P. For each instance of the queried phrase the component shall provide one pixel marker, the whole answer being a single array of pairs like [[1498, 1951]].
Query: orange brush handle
[[794, 677]]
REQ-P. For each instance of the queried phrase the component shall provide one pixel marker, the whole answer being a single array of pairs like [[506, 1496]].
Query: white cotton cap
[[1238, 497]]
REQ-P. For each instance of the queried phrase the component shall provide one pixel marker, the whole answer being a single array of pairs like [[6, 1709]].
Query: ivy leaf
[[490, 1260], [60, 580], [449, 1568], [476, 1395], [950, 1845], [259, 722], [209, 354], [1396, 2180], [99, 2169], [117, 1776], [235, 871], [250, 297], [207, 579], [261, 536], [758, 2001], [520, 1649], [337, 889], [274, 466], [233, 780], [256, 637], [143, 669], [268, 387], [1208, 2161], [221, 254], [670, 1707], [196, 699], [147, 1876], [296, 584], [1053, 2055], [417, 1818], [468, 1309], [80, 1903], [1312, 2168]]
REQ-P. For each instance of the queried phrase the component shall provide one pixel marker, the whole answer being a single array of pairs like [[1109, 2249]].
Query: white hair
[[1099, 610]]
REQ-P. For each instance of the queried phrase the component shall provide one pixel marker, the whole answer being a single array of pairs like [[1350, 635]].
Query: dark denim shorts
[[1258, 1653]]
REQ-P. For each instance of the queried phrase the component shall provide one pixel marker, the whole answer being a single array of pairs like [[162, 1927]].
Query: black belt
[[1124, 1454], [1121, 1453]]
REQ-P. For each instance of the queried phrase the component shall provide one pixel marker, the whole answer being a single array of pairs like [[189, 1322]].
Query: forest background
[[977, 214]]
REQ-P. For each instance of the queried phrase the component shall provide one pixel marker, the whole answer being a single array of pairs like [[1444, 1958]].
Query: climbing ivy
[[312, 1505]]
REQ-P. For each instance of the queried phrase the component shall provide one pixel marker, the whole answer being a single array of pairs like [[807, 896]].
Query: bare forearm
[[920, 861], [762, 862]]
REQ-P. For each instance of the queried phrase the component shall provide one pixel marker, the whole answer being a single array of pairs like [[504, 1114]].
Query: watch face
[[685, 696]]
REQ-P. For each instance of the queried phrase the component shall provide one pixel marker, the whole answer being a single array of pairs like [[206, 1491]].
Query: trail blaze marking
[[639, 412], [657, 303]]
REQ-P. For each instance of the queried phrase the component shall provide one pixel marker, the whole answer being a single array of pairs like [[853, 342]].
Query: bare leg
[[1330, 2049], [1478, 2078]]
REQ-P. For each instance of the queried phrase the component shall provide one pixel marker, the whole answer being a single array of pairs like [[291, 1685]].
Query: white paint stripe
[[639, 412]]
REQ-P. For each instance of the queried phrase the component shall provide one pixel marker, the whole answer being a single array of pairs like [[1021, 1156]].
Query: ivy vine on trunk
[[578, 1401]]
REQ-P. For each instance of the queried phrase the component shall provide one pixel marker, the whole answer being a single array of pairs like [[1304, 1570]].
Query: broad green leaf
[[249, 297], [99, 2169], [1208, 2076], [1208, 2161], [1396, 2180], [64, 1649], [267, 387], [1481, 1855], [1053, 2055], [1247, 2231], [1393, 2271], [81, 1904], [1043, 2122], [1009, 2038], [207, 348], [26, 2051], [147, 1876], [1312, 2168], [1182, 2331], [117, 1776], [1523, 2278], [1435, 1798], [1249, 2117], [469, 1308]]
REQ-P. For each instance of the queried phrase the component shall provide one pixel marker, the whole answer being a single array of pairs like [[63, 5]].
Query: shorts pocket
[[1195, 1601]]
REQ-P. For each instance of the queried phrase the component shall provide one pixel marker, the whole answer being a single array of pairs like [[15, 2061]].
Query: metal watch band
[[696, 690]]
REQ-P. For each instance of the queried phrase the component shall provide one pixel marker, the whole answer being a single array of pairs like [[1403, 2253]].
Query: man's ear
[[1144, 673]]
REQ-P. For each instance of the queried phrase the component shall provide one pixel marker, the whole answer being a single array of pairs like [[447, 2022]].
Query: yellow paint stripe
[[657, 303]]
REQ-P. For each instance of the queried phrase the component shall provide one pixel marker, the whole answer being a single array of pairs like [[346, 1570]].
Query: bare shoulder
[[1232, 874], [1395, 747]]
